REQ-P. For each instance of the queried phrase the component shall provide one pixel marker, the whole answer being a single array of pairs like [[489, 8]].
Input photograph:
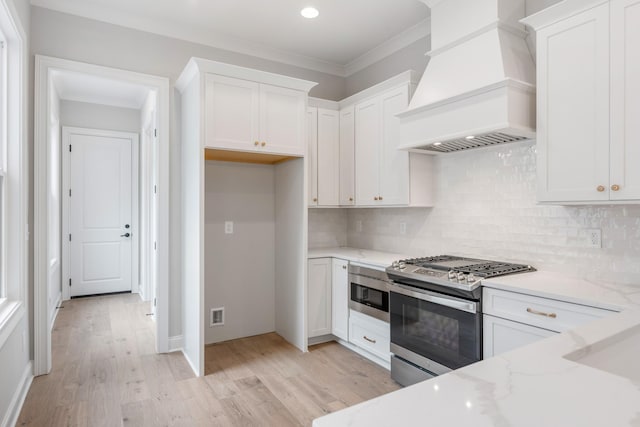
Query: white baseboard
[[13, 412], [193, 367], [175, 343]]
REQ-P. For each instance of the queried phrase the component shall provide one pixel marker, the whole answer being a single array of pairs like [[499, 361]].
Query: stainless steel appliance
[[436, 313], [369, 291]]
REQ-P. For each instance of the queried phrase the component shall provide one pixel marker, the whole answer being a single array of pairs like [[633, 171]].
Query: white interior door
[[100, 214]]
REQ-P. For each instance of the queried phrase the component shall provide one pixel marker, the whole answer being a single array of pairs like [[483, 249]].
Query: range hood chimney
[[479, 86]]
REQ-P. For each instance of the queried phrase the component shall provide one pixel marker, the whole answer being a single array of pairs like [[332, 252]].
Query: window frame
[[13, 163]]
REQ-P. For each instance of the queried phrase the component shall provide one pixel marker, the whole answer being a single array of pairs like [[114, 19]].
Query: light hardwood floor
[[106, 373]]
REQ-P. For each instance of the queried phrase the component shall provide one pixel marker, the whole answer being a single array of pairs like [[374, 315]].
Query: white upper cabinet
[[625, 99], [588, 101], [382, 171], [328, 157], [248, 116], [347, 156], [323, 129], [312, 154]]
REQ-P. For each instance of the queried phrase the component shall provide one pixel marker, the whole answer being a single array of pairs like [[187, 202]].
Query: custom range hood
[[479, 86]]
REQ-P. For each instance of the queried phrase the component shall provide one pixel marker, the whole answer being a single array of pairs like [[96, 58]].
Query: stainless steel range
[[436, 313]]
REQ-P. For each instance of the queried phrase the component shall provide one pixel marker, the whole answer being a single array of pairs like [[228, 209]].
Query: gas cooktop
[[451, 274]]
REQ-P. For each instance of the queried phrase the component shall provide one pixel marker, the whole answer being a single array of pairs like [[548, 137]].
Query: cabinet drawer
[[545, 313], [370, 334], [500, 335]]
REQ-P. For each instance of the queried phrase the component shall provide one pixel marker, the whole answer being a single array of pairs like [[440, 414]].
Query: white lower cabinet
[[513, 319], [502, 335], [370, 334], [319, 297], [340, 299]]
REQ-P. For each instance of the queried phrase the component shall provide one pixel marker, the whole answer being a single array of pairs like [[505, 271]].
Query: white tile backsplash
[[327, 228], [485, 206]]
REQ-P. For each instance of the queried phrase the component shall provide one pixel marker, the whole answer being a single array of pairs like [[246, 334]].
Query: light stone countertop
[[362, 256], [530, 386]]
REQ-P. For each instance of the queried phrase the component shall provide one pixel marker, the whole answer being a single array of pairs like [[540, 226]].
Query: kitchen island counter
[[533, 385]]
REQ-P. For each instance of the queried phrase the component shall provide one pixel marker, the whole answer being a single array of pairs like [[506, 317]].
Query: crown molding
[[412, 34]]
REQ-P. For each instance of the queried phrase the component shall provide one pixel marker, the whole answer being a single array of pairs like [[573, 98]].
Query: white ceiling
[[347, 36], [98, 90]]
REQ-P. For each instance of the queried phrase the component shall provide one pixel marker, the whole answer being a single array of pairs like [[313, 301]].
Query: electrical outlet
[[359, 226], [228, 227], [403, 227], [594, 238]]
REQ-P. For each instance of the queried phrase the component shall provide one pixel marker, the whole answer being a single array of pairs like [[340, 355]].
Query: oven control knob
[[395, 265], [462, 278], [471, 278], [401, 265], [452, 275]]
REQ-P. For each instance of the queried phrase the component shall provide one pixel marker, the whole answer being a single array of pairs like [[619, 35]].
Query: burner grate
[[495, 269]]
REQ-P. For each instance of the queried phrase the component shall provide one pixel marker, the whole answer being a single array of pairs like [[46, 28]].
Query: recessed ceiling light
[[309, 12], [469, 137], [437, 143]]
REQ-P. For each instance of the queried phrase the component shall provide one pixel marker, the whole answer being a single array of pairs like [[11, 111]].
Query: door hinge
[[69, 282], [155, 132], [69, 147], [155, 246], [155, 189], [155, 302], [69, 237], [69, 192]]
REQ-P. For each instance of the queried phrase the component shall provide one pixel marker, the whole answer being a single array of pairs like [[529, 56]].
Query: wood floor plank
[[106, 373]]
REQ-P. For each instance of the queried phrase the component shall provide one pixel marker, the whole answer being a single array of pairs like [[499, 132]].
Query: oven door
[[444, 329]]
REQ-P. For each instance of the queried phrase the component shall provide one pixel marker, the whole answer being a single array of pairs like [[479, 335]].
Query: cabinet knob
[[263, 144], [375, 198], [600, 188], [256, 143], [379, 197], [315, 199], [344, 267], [351, 199], [615, 187]]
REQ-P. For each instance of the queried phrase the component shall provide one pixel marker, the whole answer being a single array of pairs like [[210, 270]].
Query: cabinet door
[[340, 299], [231, 113], [312, 155], [500, 335], [319, 297], [367, 137], [573, 108], [625, 100], [347, 157], [394, 163], [282, 115], [328, 157]]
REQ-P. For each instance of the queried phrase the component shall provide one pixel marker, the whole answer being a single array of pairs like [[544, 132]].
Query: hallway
[[106, 373]]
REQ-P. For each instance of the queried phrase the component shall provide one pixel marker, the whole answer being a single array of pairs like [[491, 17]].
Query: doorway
[[56, 80], [100, 214]]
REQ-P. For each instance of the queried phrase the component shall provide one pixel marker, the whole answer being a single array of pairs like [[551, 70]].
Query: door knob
[[125, 235]]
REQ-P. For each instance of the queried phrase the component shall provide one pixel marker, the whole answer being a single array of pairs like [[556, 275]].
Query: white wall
[[96, 116], [485, 206], [240, 267]]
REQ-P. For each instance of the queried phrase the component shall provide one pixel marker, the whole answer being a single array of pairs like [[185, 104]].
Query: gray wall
[[95, 116], [240, 267]]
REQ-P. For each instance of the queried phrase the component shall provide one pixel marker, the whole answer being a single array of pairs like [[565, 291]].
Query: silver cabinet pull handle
[[541, 313], [369, 339]]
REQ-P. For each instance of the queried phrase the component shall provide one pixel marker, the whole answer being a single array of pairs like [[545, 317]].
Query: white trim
[[409, 36], [67, 131], [410, 77], [57, 310], [11, 313], [43, 66], [13, 411], [193, 367], [175, 343]]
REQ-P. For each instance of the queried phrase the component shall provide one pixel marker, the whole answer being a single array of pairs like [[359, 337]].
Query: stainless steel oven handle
[[468, 306]]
